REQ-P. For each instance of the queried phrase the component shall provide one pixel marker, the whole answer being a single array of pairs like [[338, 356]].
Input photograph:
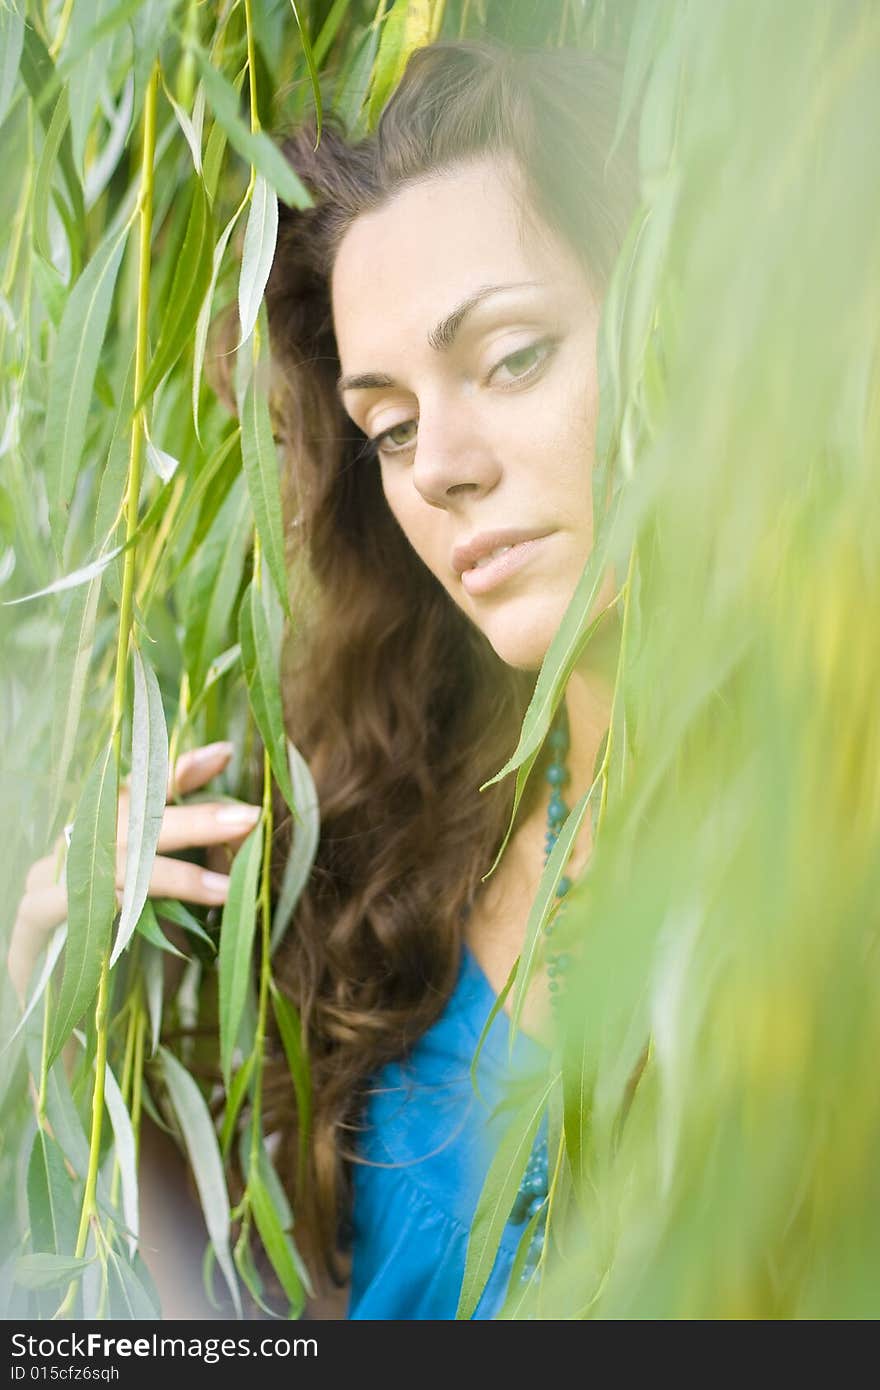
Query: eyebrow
[[440, 338]]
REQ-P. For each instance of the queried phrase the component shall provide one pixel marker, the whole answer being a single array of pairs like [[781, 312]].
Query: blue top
[[428, 1141]]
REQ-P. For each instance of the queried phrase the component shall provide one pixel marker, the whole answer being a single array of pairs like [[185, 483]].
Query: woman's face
[[467, 342]]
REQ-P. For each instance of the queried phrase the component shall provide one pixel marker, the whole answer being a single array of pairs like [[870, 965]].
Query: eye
[[390, 442], [525, 362]]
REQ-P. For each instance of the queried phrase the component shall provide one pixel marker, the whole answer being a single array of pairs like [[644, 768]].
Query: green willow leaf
[[128, 1298], [200, 1138], [146, 801], [84, 77], [91, 897], [542, 903], [41, 80], [70, 581], [258, 253], [569, 641], [264, 687], [43, 1271], [126, 1155], [261, 470], [312, 64], [497, 1197], [154, 989], [304, 843], [235, 1097], [390, 59], [148, 927], [192, 276], [236, 942], [204, 319], [254, 147], [328, 30], [46, 170], [212, 584], [176, 912], [72, 374], [495, 1010], [290, 1029], [277, 1244], [577, 1084], [52, 1210], [71, 672], [11, 45]]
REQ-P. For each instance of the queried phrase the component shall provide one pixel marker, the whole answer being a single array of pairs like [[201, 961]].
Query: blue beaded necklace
[[533, 1189]]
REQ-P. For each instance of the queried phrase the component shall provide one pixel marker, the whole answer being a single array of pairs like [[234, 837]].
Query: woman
[[433, 321]]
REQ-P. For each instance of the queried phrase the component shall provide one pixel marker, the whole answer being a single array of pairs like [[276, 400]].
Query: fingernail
[[212, 751], [237, 815], [215, 883]]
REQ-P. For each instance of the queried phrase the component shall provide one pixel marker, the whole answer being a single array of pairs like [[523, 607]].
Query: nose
[[455, 452]]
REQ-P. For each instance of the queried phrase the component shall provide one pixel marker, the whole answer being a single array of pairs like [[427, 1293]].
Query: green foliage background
[[728, 920]]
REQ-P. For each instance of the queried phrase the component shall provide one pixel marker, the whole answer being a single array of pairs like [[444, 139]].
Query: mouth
[[494, 570]]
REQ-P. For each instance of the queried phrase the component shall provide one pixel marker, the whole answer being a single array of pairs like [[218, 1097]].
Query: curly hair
[[397, 701]]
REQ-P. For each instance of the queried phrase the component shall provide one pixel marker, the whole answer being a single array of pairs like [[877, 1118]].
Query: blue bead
[[557, 807], [534, 1207], [563, 886], [553, 985], [556, 775], [558, 739]]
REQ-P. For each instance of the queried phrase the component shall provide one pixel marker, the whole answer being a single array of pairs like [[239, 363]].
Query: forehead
[[403, 266]]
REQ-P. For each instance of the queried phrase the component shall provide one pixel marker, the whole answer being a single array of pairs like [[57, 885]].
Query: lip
[[464, 557], [480, 581]]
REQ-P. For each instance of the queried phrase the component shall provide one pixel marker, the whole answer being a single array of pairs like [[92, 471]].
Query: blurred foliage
[[727, 921]]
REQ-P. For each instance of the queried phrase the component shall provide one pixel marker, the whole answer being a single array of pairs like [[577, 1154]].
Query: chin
[[523, 642]]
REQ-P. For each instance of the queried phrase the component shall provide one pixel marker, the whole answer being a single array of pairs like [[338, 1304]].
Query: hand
[[199, 825]]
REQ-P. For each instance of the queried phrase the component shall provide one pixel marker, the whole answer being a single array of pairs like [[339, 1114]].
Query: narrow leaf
[[290, 1029], [264, 688], [304, 843], [146, 803], [236, 942], [235, 1097], [176, 912], [123, 1135], [200, 1138], [204, 319], [11, 44], [497, 1197], [261, 470], [257, 255], [312, 65], [192, 276], [277, 1244], [91, 897], [154, 987], [148, 927], [255, 148], [70, 581], [52, 1211], [543, 901], [72, 375], [44, 1271]]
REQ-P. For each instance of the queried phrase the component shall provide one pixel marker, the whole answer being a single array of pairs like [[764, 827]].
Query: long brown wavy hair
[[397, 701]]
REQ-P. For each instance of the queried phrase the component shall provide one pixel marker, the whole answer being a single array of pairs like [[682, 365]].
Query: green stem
[[252, 66], [63, 26], [89, 1208]]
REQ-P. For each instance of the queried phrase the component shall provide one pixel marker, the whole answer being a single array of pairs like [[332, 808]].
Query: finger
[[178, 879], [196, 767], [206, 823]]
